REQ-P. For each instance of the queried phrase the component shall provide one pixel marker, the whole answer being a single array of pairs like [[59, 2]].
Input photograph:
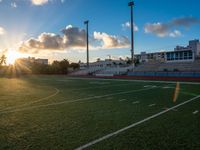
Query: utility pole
[[87, 40], [131, 4]]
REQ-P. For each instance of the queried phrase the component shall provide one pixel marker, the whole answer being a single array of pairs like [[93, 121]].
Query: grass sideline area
[[57, 112]]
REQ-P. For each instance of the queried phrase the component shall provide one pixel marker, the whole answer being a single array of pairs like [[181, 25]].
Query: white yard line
[[168, 87], [195, 112], [151, 105], [135, 124], [77, 100], [121, 100], [33, 102], [136, 102]]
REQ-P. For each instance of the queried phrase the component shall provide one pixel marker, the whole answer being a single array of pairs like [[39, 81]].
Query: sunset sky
[[54, 29]]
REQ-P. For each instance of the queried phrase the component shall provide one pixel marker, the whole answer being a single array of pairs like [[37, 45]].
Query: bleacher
[[99, 71], [111, 71], [172, 69]]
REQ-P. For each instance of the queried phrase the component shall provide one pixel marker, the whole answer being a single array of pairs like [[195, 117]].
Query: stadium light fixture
[[87, 41], [131, 4]]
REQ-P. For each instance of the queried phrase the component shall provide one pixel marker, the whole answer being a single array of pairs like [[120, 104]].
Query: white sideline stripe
[[152, 105], [136, 102], [130, 80], [77, 100], [134, 124], [195, 112], [33, 102]]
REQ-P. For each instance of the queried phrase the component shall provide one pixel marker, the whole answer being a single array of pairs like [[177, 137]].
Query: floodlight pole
[[87, 40], [131, 4]]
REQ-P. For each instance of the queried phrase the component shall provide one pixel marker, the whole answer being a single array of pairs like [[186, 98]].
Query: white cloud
[[13, 5], [2, 31], [73, 38], [111, 41], [175, 33], [39, 2], [128, 25], [62, 1]]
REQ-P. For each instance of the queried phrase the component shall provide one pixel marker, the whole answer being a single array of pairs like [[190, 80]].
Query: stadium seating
[[172, 69]]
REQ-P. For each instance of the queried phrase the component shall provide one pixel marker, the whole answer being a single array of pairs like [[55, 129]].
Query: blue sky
[[162, 24]]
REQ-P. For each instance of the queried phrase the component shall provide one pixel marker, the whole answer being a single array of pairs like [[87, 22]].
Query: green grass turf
[[82, 113]]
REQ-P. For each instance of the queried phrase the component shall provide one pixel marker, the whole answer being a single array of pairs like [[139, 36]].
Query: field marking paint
[[77, 100], [151, 105], [121, 100], [195, 112], [168, 87], [33, 102], [148, 86], [130, 80], [168, 108], [136, 102], [135, 124]]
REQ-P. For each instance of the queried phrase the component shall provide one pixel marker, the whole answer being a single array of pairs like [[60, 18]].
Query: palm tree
[[3, 60]]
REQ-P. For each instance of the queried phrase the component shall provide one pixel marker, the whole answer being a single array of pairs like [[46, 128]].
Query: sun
[[12, 56]]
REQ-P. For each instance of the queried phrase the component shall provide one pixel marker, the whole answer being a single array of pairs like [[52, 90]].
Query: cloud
[[2, 31], [111, 41], [73, 38], [13, 5], [128, 25], [167, 29], [39, 2], [185, 21], [175, 33], [158, 29]]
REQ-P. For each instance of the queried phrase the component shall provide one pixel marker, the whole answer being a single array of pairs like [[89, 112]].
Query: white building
[[179, 54], [101, 64], [29, 60]]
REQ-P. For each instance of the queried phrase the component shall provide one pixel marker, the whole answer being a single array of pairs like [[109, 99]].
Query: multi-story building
[[27, 61], [103, 64], [179, 54]]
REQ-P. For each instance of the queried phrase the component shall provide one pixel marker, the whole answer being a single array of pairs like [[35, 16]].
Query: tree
[[64, 65], [3, 60], [75, 66]]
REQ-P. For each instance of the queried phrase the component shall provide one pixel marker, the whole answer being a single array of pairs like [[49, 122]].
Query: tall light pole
[[87, 41], [131, 4]]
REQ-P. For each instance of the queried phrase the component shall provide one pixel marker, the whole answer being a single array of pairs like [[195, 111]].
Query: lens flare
[[12, 56], [176, 92]]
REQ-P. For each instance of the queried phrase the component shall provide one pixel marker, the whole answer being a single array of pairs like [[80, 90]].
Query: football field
[[57, 112]]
